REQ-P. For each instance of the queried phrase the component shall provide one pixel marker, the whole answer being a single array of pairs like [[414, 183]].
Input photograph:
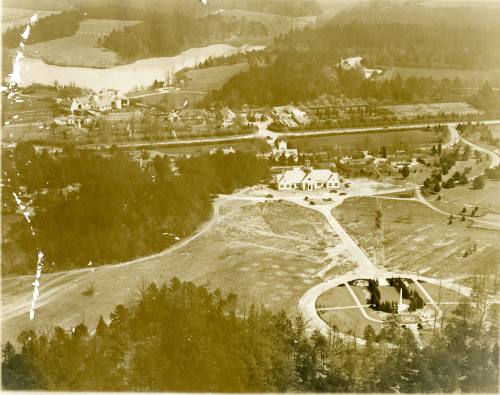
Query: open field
[[470, 78], [412, 138], [12, 16], [418, 239], [432, 109], [349, 319], [81, 49], [196, 86], [444, 295], [335, 297], [454, 200], [267, 253]]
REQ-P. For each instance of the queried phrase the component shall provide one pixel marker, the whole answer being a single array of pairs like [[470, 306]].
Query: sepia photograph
[[250, 196]]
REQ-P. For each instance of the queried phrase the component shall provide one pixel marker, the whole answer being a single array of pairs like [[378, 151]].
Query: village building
[[224, 151], [284, 151], [355, 63], [228, 117], [306, 179], [290, 116], [103, 101]]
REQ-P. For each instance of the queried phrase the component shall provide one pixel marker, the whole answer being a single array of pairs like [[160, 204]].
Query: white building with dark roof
[[306, 179]]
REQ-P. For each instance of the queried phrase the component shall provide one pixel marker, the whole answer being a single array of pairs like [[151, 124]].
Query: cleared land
[[348, 320], [81, 49], [12, 16], [335, 297], [486, 199], [432, 109], [197, 84], [412, 138], [470, 78], [418, 239], [267, 253]]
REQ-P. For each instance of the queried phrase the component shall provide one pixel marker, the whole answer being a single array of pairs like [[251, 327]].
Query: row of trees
[[54, 26], [122, 210], [180, 337], [299, 77], [168, 34]]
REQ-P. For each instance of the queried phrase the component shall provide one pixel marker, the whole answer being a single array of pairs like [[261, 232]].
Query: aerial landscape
[[250, 196]]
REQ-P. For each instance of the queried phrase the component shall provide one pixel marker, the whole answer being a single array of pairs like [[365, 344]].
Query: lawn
[[470, 78], [417, 239], [440, 295], [335, 297], [349, 319], [266, 253], [455, 199], [408, 139], [81, 49]]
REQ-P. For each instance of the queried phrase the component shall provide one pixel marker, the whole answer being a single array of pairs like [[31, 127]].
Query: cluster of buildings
[[83, 111], [99, 102], [306, 179], [290, 116], [355, 63], [396, 158]]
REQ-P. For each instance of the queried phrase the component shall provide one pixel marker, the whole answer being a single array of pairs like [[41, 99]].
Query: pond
[[126, 77]]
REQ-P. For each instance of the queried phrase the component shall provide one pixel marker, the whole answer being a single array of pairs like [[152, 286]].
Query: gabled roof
[[320, 175], [294, 176]]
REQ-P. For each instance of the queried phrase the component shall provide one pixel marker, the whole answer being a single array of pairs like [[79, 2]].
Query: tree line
[[54, 26], [167, 34], [181, 337], [122, 210]]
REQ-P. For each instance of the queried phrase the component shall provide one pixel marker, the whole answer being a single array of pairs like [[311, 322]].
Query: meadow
[[80, 49], [470, 78], [418, 239]]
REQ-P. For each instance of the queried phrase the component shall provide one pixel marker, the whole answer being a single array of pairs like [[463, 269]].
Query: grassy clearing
[[197, 84], [413, 138], [417, 239], [12, 16], [346, 320], [470, 78], [335, 297], [80, 49], [455, 199], [267, 253], [432, 109], [441, 295]]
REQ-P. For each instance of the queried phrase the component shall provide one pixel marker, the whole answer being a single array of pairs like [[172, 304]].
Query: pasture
[[432, 109], [418, 239], [12, 17], [469, 78], [197, 83], [81, 49], [407, 139]]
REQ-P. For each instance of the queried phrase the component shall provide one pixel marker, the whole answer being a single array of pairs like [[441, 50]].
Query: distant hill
[[448, 13], [279, 7]]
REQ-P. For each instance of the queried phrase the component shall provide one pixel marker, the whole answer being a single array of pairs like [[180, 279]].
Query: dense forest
[[170, 33], [295, 77], [64, 24], [432, 13], [121, 211], [180, 337], [400, 44]]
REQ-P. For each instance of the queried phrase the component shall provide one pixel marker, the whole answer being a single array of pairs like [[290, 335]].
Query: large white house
[[306, 179], [283, 150]]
